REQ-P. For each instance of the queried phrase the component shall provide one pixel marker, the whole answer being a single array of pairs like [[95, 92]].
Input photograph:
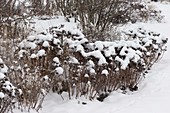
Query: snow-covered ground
[[153, 95]]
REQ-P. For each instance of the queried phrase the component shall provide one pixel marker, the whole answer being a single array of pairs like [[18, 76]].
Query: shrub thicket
[[63, 61]]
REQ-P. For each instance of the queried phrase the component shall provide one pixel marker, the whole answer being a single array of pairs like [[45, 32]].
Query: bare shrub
[[97, 17]]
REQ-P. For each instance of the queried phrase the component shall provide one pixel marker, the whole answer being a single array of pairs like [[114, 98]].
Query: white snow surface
[[153, 95]]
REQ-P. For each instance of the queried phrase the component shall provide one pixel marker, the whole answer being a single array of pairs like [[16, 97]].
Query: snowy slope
[[153, 95]]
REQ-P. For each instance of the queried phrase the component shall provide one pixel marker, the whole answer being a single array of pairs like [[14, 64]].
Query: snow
[[43, 25], [110, 51], [2, 95], [73, 60], [56, 41], [43, 37], [49, 37], [153, 95], [43, 91], [21, 53], [105, 72], [86, 75], [31, 38], [98, 45], [124, 63], [97, 54], [8, 86], [41, 53], [26, 44], [92, 71], [90, 64], [1, 75], [56, 60], [1, 61], [40, 38], [20, 91], [45, 44], [4, 69], [59, 70], [46, 77], [33, 56]]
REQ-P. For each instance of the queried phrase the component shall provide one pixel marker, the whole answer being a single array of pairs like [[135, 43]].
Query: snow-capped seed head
[[56, 60], [14, 92], [31, 45], [49, 37], [21, 53], [73, 60], [45, 77], [148, 53], [117, 69], [79, 48], [92, 71], [26, 65], [105, 72], [8, 86], [12, 67], [41, 53], [45, 44], [2, 95], [1, 75], [86, 75], [56, 41], [59, 70], [90, 63], [19, 67], [33, 56]]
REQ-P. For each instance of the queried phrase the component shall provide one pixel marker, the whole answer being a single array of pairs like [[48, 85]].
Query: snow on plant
[[154, 44], [9, 94], [75, 65], [61, 59]]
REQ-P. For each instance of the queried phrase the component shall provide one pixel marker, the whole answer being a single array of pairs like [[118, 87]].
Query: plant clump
[[65, 61], [9, 94]]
